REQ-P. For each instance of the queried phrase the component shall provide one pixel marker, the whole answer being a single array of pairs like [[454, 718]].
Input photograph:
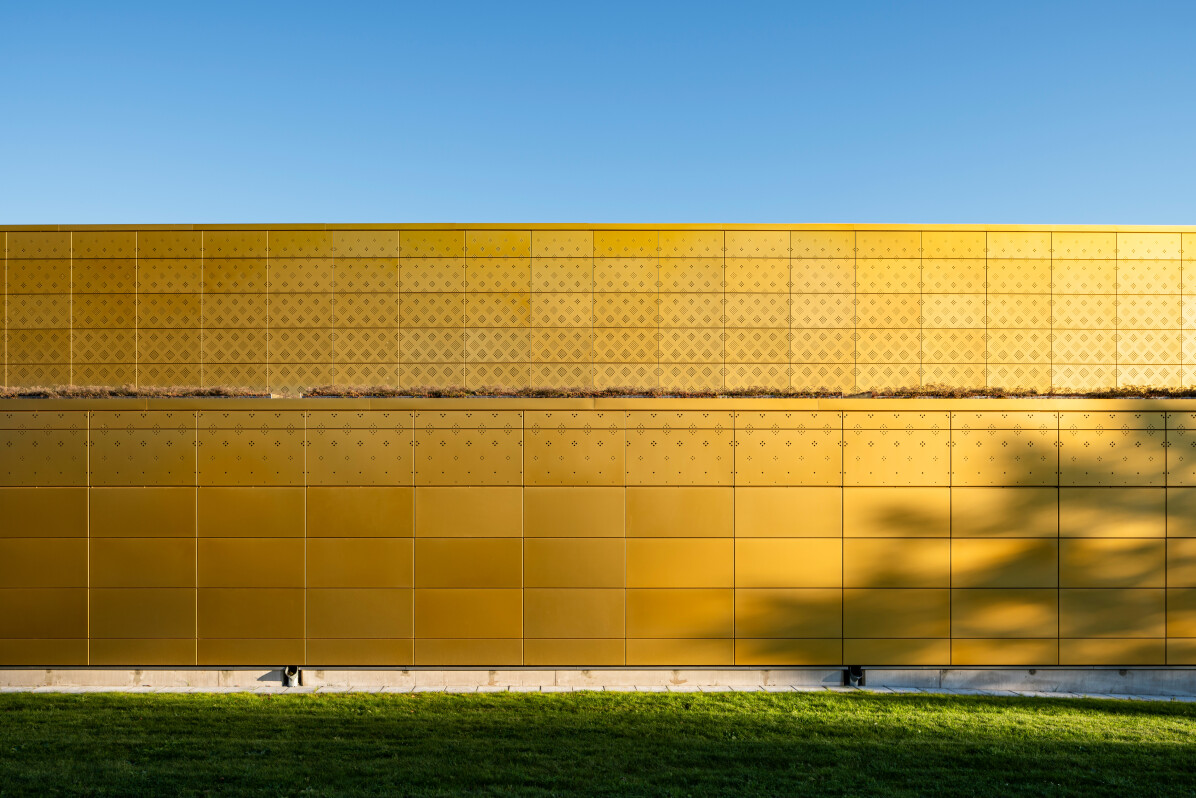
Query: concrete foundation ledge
[[1175, 681]]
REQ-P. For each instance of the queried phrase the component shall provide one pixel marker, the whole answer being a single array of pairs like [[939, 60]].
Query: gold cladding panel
[[337, 455], [574, 562], [788, 457], [573, 512], [44, 512], [679, 456], [43, 457], [801, 512], [376, 512], [251, 456], [896, 457]]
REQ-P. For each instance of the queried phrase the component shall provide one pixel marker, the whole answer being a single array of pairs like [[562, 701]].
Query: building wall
[[839, 308], [597, 532]]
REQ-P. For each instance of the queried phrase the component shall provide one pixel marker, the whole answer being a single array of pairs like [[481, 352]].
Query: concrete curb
[[1105, 682]]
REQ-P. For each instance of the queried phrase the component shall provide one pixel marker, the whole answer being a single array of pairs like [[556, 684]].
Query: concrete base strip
[[1059, 682]]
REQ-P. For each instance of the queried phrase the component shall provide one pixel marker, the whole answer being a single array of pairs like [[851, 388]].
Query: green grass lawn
[[593, 744]]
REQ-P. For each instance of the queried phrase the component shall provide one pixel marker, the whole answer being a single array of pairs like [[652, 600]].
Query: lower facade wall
[[550, 533]]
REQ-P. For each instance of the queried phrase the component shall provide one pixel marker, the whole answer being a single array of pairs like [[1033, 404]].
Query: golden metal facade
[[847, 307], [597, 532]]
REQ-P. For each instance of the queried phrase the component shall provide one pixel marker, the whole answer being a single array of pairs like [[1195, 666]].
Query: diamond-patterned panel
[[563, 244], [367, 244], [98, 346], [104, 244], [838, 377], [1146, 312], [625, 310], [954, 244], [756, 375], [952, 345], [756, 275], [1019, 346], [1084, 276], [1019, 276], [691, 345], [626, 243], [431, 244], [625, 375], [233, 346], [822, 275], [625, 345], [1083, 245], [100, 310], [168, 346], [39, 311], [49, 244], [691, 243], [109, 276], [1085, 346], [1021, 311], [823, 244], [169, 276], [367, 310], [691, 376], [300, 345], [504, 275], [563, 275], [757, 310], [1019, 245], [757, 346], [498, 310], [234, 244], [1084, 311], [431, 345], [366, 345], [888, 346], [953, 310], [888, 244], [432, 310], [1142, 347], [1149, 276], [1154, 376], [757, 244], [168, 311], [886, 376], [234, 311], [561, 345], [366, 375], [497, 345], [498, 243], [39, 346], [617, 275], [366, 275], [432, 275], [1013, 376], [822, 345], [954, 276], [47, 276], [691, 275], [888, 275], [234, 275]]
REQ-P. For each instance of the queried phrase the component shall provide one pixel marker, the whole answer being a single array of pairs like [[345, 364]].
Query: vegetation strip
[[340, 391], [741, 744]]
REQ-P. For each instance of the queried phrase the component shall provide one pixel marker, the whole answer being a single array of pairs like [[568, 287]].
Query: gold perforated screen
[[840, 309]]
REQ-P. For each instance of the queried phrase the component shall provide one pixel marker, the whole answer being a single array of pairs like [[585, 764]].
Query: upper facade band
[[700, 307]]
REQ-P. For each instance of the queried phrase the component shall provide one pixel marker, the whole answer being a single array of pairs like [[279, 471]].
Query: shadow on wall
[[1051, 548]]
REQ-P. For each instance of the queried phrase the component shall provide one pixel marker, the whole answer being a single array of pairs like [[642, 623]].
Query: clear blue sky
[[1001, 112]]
